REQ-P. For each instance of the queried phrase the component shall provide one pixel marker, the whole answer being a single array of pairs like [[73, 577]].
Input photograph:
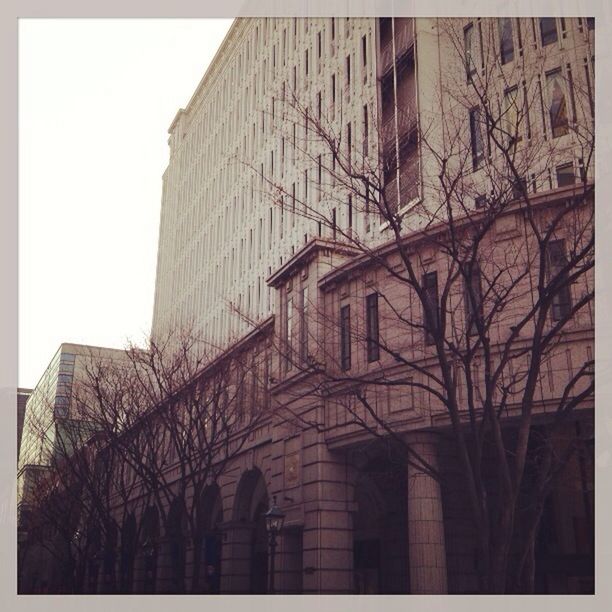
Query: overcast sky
[[96, 98]]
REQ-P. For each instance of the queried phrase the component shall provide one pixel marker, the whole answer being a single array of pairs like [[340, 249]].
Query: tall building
[[242, 157], [411, 200], [221, 234]]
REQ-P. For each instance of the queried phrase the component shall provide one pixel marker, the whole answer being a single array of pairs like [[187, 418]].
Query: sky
[[96, 98]]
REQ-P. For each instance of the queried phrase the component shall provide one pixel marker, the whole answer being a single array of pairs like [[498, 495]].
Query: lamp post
[[274, 523]]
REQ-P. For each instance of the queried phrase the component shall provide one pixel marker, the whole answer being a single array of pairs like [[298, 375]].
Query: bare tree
[[491, 276]]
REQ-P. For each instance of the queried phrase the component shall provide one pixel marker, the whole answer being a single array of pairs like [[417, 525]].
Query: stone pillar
[[236, 557], [426, 546]]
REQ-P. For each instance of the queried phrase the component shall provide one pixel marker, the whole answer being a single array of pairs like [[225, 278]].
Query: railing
[[409, 185], [406, 122], [404, 40]]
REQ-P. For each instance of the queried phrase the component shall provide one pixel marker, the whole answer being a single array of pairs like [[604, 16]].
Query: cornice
[[224, 53]]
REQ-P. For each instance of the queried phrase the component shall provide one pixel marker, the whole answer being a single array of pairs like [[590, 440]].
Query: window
[[348, 71], [476, 138], [333, 92], [372, 337], [365, 130], [288, 333], [590, 23], [506, 44], [557, 109], [519, 188], [548, 30], [304, 325], [557, 260], [480, 201], [511, 116], [473, 299], [565, 175], [468, 48], [431, 314], [364, 51], [345, 337]]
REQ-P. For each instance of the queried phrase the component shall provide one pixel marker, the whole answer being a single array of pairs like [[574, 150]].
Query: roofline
[[220, 50], [539, 199], [311, 247]]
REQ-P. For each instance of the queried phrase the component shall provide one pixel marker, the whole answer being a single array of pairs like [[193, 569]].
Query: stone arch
[[127, 554], [175, 545], [109, 558], [250, 505], [94, 545], [208, 541], [367, 522], [380, 528], [149, 536]]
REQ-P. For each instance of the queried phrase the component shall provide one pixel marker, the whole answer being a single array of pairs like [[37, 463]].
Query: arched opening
[[109, 557], [148, 545], [128, 554], [250, 508], [176, 531], [94, 541], [367, 525], [380, 535], [207, 557]]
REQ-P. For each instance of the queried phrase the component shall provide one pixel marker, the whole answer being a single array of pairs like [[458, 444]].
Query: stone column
[[426, 546], [236, 557]]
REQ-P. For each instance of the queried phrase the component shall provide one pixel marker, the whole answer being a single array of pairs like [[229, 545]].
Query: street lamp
[[274, 523]]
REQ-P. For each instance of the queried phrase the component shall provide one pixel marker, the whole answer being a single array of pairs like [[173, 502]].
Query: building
[[22, 399], [48, 412], [220, 236], [407, 236]]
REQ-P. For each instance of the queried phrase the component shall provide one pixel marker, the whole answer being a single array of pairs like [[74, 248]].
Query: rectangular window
[[334, 224], [349, 145], [506, 44], [590, 23], [345, 337], [557, 260], [348, 71], [565, 175], [372, 330], [473, 300], [333, 91], [511, 115], [431, 314], [365, 130], [519, 188], [468, 49], [288, 333], [364, 50], [304, 325], [557, 109], [480, 201], [476, 138], [548, 30], [350, 211]]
